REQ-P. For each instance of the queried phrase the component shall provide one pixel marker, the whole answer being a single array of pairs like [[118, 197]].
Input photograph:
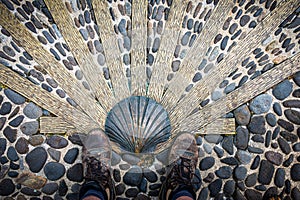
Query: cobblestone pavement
[[260, 161]]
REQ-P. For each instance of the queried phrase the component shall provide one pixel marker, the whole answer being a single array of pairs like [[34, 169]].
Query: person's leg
[[93, 194], [183, 194], [180, 198], [183, 159], [96, 157], [91, 198]]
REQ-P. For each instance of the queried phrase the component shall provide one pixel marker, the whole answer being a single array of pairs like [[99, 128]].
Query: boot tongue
[[186, 154], [184, 168]]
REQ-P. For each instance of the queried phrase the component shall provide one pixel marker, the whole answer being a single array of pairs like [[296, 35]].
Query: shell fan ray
[[138, 124]]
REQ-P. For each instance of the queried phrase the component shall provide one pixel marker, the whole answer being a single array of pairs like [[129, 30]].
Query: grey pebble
[[283, 90], [242, 115], [101, 59], [243, 156], [57, 142], [84, 34], [227, 144], [131, 159], [185, 39], [261, 104], [214, 54], [216, 95], [207, 148], [30, 128], [229, 88], [14, 97], [32, 111], [213, 138], [241, 138], [54, 154], [240, 173]]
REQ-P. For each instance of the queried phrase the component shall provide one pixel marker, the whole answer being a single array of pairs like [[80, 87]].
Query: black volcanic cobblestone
[[257, 125], [150, 175], [206, 163], [279, 177], [224, 172], [266, 172], [215, 187], [50, 188], [12, 154], [240, 173], [227, 144], [22, 145], [36, 159], [274, 157], [7, 187], [57, 142], [71, 155], [133, 177], [2, 146], [117, 175], [295, 172], [10, 134], [14, 97], [284, 146], [75, 173], [241, 138]]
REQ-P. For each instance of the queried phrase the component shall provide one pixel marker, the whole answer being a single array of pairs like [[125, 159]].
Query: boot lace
[[183, 173], [96, 171]]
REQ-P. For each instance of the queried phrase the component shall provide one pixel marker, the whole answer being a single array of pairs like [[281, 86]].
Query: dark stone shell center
[[138, 124]]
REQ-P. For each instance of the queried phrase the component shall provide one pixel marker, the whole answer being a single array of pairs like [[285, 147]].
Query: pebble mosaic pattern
[[196, 16], [158, 12], [15, 57], [194, 20], [84, 20], [121, 16], [239, 22], [260, 161], [37, 19], [273, 50]]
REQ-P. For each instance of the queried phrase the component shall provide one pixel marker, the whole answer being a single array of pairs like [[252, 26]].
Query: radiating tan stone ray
[[242, 94], [81, 52], [35, 17], [30, 69], [113, 58], [273, 50], [56, 125], [46, 100], [48, 63], [194, 55], [228, 64], [165, 53], [139, 48]]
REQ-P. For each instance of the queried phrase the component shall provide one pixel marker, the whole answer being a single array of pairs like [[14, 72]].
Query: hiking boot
[[96, 157], [183, 159]]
